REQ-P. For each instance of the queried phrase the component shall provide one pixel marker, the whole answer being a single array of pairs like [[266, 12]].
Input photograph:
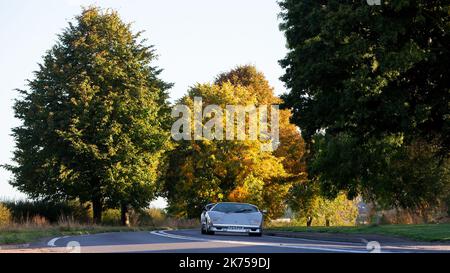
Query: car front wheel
[[203, 229]]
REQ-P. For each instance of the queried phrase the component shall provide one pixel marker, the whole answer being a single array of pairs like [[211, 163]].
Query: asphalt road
[[191, 241]]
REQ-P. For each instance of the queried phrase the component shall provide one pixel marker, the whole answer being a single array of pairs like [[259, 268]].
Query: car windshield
[[234, 208]]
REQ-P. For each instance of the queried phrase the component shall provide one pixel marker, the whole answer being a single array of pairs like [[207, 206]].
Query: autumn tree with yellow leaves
[[204, 171]]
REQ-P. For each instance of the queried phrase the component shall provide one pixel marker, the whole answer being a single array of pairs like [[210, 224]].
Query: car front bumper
[[235, 228]]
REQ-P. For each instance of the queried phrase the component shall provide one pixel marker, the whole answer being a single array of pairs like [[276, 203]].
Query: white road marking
[[363, 243], [53, 241], [181, 237], [321, 241]]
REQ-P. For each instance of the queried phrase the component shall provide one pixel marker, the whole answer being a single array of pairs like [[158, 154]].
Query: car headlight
[[212, 220]]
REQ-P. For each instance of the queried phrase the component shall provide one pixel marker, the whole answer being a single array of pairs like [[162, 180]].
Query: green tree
[[311, 208], [304, 200], [366, 84], [95, 118]]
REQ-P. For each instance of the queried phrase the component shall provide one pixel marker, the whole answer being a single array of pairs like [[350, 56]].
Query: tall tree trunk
[[97, 208], [124, 216], [309, 221], [327, 222]]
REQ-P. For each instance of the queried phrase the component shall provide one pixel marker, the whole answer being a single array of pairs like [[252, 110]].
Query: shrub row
[[23, 210], [28, 211]]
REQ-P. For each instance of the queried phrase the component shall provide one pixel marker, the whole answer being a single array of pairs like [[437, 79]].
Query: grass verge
[[426, 232], [23, 235]]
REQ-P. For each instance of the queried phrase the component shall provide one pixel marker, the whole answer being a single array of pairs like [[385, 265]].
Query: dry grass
[[172, 223], [25, 229], [38, 227]]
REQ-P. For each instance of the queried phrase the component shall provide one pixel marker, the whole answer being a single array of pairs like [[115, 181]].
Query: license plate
[[232, 228]]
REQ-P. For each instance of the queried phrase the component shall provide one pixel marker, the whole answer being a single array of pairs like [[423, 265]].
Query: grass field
[[427, 232]]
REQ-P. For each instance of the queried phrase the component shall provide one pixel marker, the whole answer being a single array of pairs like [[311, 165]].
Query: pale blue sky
[[195, 40]]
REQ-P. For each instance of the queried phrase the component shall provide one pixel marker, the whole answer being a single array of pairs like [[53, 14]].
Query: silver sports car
[[231, 217]]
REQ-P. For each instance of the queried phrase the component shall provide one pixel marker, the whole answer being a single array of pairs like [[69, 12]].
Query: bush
[[152, 217], [25, 210], [323, 212], [111, 217], [5, 215]]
